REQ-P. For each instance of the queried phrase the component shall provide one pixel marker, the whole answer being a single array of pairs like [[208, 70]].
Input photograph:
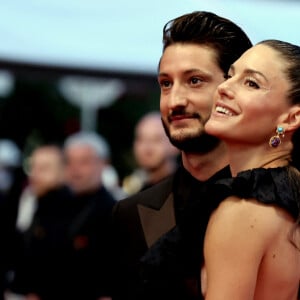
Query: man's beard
[[203, 143], [200, 143]]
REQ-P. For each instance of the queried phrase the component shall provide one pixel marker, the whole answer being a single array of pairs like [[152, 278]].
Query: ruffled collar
[[276, 186], [178, 255]]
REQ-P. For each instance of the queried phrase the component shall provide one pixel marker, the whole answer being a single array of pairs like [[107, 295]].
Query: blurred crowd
[[56, 207]]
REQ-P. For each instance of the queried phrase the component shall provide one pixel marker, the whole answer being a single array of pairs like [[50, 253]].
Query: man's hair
[[92, 139], [206, 28]]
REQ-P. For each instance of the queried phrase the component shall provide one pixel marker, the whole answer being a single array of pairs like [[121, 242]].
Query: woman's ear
[[293, 119]]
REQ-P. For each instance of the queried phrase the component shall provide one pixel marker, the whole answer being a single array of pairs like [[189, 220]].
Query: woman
[[252, 243]]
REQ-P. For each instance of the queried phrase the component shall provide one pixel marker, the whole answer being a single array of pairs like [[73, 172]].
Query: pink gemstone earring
[[275, 140]]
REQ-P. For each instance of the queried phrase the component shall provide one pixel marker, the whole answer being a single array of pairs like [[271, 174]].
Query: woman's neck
[[250, 158]]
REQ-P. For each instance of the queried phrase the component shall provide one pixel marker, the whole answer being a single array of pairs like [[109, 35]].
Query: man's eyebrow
[[249, 72], [187, 72], [162, 74]]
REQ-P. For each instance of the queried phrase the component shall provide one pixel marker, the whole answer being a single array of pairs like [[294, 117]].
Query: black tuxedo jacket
[[140, 220], [146, 216]]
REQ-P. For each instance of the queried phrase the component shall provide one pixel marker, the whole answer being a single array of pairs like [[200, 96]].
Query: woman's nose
[[225, 89]]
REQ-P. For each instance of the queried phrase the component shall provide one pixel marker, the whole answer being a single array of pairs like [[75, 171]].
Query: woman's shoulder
[[275, 186], [245, 223], [238, 210]]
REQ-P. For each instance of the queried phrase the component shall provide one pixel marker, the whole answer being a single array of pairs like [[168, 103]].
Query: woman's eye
[[251, 83]]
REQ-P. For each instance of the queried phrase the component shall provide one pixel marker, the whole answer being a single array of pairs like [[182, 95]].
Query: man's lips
[[182, 117]]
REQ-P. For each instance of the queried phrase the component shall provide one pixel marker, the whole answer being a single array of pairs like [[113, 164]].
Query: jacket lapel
[[156, 222]]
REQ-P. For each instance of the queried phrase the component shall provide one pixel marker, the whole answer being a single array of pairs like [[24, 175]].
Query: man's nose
[[178, 97]]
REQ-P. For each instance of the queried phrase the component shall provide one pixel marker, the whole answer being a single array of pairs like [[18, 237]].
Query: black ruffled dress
[[171, 268]]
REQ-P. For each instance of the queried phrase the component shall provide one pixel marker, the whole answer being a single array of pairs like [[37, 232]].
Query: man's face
[[152, 148], [83, 168], [45, 170], [188, 78]]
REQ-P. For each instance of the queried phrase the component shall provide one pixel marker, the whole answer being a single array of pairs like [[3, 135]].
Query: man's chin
[[203, 144], [191, 142]]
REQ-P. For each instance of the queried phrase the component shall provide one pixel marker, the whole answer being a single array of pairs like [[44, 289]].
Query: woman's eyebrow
[[249, 72]]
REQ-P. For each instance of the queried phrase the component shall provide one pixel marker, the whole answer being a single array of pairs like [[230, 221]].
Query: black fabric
[[170, 269], [176, 259], [67, 250], [42, 247], [9, 202], [130, 240]]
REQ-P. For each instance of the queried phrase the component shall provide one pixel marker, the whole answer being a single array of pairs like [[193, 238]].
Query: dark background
[[36, 112]]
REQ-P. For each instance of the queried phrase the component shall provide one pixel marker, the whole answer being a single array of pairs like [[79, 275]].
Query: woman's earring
[[275, 140]]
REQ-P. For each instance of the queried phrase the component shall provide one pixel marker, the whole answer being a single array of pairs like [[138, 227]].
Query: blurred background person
[[89, 166], [45, 171], [155, 156], [87, 154], [12, 179], [40, 228], [67, 250]]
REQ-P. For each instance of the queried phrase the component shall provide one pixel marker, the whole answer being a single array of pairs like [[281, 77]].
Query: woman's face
[[253, 100]]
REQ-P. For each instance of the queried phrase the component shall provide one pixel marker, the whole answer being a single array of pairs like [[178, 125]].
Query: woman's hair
[[206, 28], [291, 55]]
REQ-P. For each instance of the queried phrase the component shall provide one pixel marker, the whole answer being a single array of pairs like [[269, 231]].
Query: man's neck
[[165, 169], [202, 166]]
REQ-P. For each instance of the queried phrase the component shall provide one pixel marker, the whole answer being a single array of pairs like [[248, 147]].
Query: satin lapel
[[155, 222]]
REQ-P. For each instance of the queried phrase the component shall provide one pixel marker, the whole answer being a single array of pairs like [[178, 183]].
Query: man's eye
[[227, 76], [165, 83], [196, 80]]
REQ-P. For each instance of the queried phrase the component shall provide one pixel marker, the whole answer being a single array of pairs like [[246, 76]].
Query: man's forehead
[[188, 57]]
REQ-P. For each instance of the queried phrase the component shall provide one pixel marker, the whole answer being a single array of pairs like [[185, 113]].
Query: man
[[154, 154], [198, 49], [86, 156], [68, 247], [45, 171], [42, 213]]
